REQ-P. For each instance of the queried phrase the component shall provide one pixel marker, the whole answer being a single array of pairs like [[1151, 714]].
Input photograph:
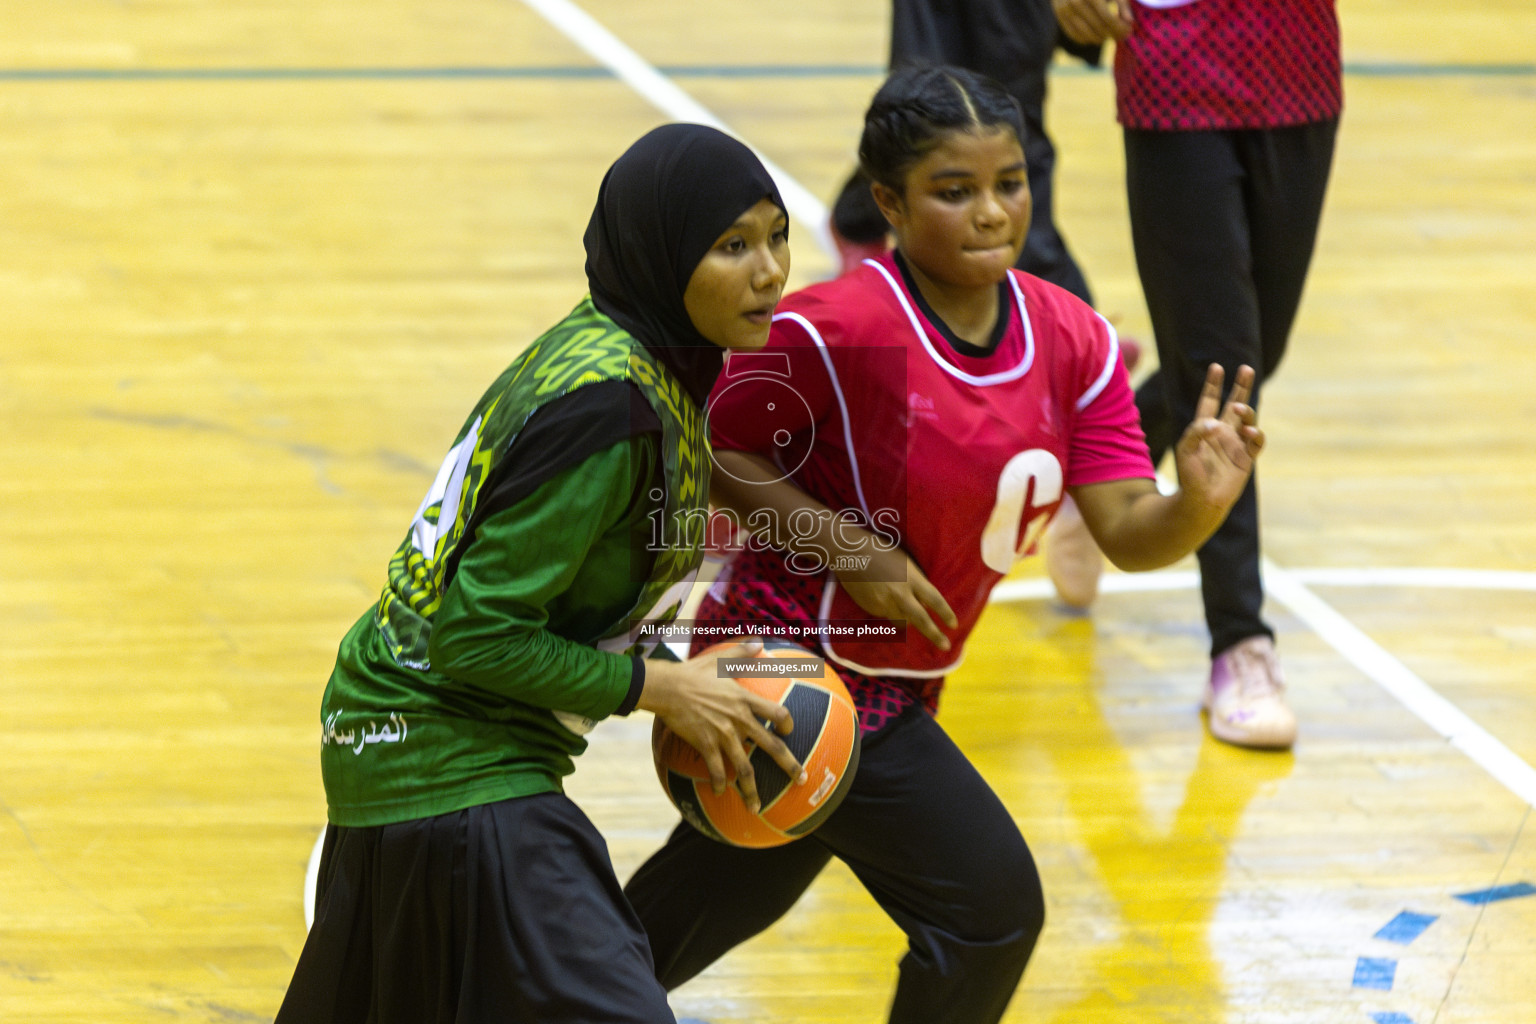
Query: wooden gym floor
[[257, 259]]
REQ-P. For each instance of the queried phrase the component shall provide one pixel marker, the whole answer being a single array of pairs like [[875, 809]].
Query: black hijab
[[660, 208]]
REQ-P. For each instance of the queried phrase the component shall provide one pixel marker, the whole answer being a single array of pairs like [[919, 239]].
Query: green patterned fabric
[[501, 638]]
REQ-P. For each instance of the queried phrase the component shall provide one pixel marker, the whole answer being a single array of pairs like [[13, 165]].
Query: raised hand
[[1094, 21], [1216, 453]]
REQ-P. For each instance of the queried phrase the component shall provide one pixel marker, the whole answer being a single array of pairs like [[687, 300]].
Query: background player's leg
[[1045, 252], [928, 32], [1013, 43], [1190, 197], [937, 849], [1189, 225], [1287, 175]]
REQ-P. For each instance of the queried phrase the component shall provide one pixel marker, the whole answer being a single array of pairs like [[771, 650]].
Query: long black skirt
[[507, 912]]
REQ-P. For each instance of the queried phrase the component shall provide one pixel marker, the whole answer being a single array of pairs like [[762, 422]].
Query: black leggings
[[925, 835], [1223, 223]]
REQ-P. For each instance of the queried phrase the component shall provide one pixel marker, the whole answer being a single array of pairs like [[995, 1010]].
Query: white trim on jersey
[[1002, 377], [842, 405], [823, 616], [1013, 373], [1098, 386]]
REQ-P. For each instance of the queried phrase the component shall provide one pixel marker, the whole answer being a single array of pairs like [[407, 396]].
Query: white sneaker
[[1246, 697], [1072, 558]]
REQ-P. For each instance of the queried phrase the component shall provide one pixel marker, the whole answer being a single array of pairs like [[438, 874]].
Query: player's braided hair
[[918, 105]]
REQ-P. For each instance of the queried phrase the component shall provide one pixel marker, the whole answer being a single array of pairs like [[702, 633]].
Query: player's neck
[[971, 313]]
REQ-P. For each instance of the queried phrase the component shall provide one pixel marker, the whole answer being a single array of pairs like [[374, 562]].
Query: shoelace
[[1255, 676]]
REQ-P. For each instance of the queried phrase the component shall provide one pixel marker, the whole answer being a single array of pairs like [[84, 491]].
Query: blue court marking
[[1405, 927], [1375, 972], [1498, 892], [1381, 972], [492, 72]]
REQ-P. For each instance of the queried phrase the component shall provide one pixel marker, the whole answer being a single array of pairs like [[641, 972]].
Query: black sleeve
[[566, 431], [559, 435], [636, 684]]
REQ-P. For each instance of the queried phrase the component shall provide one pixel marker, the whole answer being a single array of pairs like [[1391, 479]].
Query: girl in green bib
[[457, 882]]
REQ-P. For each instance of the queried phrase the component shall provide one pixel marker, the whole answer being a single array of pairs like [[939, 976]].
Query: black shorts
[[504, 912]]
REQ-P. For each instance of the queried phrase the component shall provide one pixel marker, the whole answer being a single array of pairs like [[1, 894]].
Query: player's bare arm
[[882, 580], [893, 587], [1139, 528]]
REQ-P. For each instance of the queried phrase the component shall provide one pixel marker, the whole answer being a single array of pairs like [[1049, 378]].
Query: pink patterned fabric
[[1230, 64]]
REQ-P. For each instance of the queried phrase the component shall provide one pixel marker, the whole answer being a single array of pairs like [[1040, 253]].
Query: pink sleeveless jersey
[[960, 460], [1193, 65]]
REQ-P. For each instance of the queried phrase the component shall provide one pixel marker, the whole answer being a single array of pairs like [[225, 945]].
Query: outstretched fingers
[[1209, 403], [1242, 391], [1237, 412], [1240, 414]]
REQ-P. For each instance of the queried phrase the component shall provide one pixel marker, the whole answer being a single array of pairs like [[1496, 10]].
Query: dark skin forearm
[[887, 583], [1139, 528]]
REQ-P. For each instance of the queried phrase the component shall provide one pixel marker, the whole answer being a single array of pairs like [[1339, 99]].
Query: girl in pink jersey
[[904, 437]]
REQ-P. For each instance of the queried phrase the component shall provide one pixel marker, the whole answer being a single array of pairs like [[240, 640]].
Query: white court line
[[1393, 676], [1289, 587], [1434, 579], [808, 212]]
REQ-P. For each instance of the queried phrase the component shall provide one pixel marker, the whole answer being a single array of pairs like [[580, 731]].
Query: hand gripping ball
[[825, 740]]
